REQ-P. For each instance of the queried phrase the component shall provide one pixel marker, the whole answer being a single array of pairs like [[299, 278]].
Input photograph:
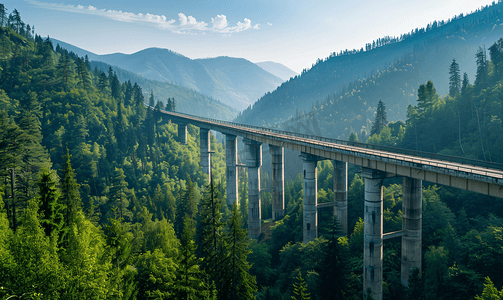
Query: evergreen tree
[[238, 283], [210, 233], [189, 281], [300, 289], [482, 68], [51, 210], [70, 196], [454, 79], [465, 83], [381, 120], [335, 267], [117, 195]]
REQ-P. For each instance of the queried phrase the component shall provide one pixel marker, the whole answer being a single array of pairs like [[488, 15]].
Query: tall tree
[[482, 68], [70, 196], [381, 120], [240, 284], [189, 282], [454, 79], [51, 210], [300, 289]]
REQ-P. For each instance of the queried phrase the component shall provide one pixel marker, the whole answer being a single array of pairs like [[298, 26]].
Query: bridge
[[377, 163]]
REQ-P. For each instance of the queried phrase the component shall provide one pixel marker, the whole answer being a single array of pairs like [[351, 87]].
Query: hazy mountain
[[236, 82], [187, 100], [277, 69], [346, 86]]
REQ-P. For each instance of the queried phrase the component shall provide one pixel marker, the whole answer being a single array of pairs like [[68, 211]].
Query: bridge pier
[[253, 162], [205, 151], [341, 194], [231, 173], [310, 216], [182, 133], [278, 182], [373, 232], [412, 220]]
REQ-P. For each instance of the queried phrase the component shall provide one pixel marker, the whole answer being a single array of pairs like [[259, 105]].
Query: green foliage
[[490, 291], [300, 289]]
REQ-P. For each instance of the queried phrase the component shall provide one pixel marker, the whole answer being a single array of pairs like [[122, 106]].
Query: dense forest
[[347, 86], [98, 199]]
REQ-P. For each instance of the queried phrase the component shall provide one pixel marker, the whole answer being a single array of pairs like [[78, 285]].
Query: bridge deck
[[465, 174]]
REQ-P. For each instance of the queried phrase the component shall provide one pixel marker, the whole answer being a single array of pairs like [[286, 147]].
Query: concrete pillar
[[373, 233], [341, 194], [278, 182], [412, 220], [253, 162], [231, 173], [182, 133], [310, 217], [204, 147]]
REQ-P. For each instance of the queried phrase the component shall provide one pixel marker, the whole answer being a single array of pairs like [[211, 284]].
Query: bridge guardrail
[[395, 150]]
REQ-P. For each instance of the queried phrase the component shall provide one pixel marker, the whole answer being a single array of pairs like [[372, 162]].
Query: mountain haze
[[277, 69], [236, 82]]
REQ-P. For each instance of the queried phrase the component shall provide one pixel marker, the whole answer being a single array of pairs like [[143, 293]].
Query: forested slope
[[388, 68]]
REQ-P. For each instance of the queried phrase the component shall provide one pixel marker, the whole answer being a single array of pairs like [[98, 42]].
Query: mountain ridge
[[201, 75]]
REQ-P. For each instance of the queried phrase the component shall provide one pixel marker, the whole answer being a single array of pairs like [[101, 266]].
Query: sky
[[294, 33]]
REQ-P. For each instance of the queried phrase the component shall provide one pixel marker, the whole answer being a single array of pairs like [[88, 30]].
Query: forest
[[99, 201]]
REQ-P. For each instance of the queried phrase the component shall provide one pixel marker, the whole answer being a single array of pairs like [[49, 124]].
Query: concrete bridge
[[377, 163]]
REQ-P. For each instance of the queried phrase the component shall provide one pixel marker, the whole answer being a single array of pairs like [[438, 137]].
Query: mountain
[[234, 81], [340, 93], [187, 100], [277, 69]]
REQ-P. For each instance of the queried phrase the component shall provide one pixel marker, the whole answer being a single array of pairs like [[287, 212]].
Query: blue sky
[[294, 32]]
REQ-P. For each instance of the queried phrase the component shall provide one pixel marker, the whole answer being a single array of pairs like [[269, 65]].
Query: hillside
[[187, 100], [346, 87], [234, 81]]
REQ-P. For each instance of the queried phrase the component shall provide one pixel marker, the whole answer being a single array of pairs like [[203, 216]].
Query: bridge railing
[[395, 150]]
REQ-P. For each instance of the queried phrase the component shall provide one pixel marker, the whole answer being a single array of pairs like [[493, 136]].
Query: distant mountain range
[[236, 82]]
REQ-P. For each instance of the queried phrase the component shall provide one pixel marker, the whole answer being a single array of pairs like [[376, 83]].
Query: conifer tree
[[238, 283], [117, 195], [381, 120], [51, 210], [210, 234], [189, 281], [482, 68], [70, 196], [465, 83], [300, 289], [454, 79]]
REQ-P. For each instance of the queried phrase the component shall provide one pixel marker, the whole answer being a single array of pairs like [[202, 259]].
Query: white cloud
[[269, 23], [186, 25]]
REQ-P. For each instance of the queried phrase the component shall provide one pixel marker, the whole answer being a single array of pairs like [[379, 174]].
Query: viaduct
[[377, 163]]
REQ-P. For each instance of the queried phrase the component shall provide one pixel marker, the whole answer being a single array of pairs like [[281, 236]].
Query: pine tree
[[189, 281], [482, 68], [238, 283], [454, 79], [51, 210], [465, 83], [70, 196], [300, 289], [117, 195], [335, 267], [210, 233], [381, 120]]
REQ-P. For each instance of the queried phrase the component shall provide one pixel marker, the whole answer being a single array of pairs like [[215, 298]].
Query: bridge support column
[[412, 220], [341, 194], [373, 232], [310, 217], [231, 173], [204, 147], [182, 133], [253, 162], [278, 182]]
